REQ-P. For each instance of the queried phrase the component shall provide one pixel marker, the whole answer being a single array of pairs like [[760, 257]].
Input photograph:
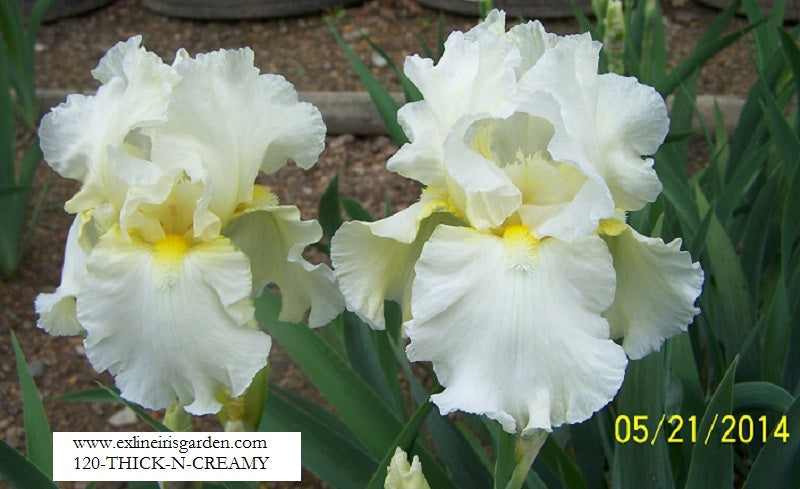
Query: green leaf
[[98, 394], [738, 316], [712, 460], [748, 396], [38, 435], [355, 210], [641, 402], [463, 460], [387, 107], [777, 463], [362, 351], [327, 449], [756, 234], [785, 141], [20, 472], [405, 440], [328, 211], [776, 335], [411, 92], [236, 485], [706, 48], [348, 393], [504, 461], [561, 464]]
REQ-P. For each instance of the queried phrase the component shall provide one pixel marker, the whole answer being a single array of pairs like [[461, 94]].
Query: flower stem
[[525, 450], [176, 419]]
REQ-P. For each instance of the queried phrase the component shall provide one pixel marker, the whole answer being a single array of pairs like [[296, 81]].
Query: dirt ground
[[304, 51]]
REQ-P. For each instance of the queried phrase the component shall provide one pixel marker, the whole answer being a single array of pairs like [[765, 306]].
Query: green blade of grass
[[405, 440], [348, 393], [387, 107], [329, 211], [776, 464], [712, 460], [642, 394], [355, 210], [748, 396], [38, 435], [98, 394], [696, 59], [738, 316], [327, 450], [20, 472], [361, 345]]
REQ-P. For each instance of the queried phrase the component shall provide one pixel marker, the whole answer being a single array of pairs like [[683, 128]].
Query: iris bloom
[[516, 270], [402, 475], [172, 238]]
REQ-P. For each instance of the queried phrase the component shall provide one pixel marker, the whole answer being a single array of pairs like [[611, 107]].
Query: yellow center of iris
[[171, 249], [521, 247], [612, 227]]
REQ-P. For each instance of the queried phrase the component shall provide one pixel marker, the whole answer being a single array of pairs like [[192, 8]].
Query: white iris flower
[[516, 270], [172, 238], [402, 475]]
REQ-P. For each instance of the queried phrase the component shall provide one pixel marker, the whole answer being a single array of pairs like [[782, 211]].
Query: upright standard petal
[[135, 94], [172, 322], [226, 123], [612, 120], [474, 76], [274, 239], [657, 285], [513, 326]]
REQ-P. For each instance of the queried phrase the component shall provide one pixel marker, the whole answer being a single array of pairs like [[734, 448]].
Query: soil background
[[304, 51]]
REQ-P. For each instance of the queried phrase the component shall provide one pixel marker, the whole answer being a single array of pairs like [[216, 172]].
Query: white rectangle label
[[193, 456]]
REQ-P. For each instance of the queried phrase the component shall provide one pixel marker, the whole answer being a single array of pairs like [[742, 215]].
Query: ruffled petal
[[57, 310], [374, 261], [173, 322], [474, 76], [631, 121], [612, 121], [274, 239], [513, 326], [657, 285], [532, 41], [227, 122], [402, 475], [480, 189], [135, 94]]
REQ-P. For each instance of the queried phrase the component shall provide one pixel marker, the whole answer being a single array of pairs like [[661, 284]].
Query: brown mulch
[[303, 50]]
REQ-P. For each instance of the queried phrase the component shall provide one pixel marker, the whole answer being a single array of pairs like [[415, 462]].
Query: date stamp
[[727, 428]]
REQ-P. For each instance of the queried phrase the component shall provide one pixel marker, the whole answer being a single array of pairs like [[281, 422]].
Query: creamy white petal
[[172, 204], [374, 261], [504, 165], [57, 310], [631, 121], [532, 41], [472, 77], [514, 327], [612, 120], [402, 475], [171, 323], [227, 122], [657, 285], [135, 94], [480, 189], [274, 239]]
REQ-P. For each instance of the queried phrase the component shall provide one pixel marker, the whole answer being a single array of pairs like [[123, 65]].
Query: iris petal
[[513, 326]]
